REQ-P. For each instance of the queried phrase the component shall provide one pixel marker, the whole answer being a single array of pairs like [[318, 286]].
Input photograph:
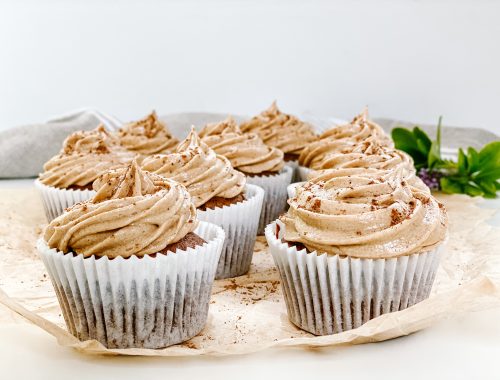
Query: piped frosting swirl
[[134, 213], [147, 136], [204, 173], [85, 155], [247, 152], [343, 139], [280, 130], [364, 213]]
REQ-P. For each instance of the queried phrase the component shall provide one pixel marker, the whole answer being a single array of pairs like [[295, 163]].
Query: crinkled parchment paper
[[248, 314]]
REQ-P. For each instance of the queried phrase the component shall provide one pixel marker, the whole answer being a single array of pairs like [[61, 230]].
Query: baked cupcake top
[[247, 152], [147, 136], [280, 130], [134, 213], [344, 138], [364, 213], [370, 155], [84, 156], [204, 173]]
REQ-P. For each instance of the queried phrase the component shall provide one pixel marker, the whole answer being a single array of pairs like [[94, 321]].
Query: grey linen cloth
[[24, 149]]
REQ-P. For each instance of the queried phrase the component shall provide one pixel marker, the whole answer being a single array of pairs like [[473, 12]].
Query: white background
[[412, 60]]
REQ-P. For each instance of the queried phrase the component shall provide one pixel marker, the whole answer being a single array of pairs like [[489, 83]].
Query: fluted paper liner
[[240, 222], [275, 195], [136, 302], [302, 173], [248, 313], [327, 294], [56, 200]]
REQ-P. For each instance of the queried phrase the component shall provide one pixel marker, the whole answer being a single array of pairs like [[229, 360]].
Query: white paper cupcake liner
[[275, 195], [294, 165], [240, 222], [56, 200], [302, 173], [292, 189], [328, 294], [147, 302]]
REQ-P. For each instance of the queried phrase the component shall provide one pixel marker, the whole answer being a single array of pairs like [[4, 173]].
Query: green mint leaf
[[405, 141], [489, 188], [449, 186], [490, 175], [434, 157], [423, 141], [489, 157], [462, 162], [473, 190], [473, 160]]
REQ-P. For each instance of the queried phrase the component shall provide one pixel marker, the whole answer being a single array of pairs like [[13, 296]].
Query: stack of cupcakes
[[263, 165]]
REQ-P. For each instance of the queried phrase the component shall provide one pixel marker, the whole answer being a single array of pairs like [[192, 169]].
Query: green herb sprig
[[475, 173]]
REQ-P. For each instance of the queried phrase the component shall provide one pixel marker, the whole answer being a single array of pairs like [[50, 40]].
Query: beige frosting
[[282, 131], [147, 136], [204, 173], [84, 156], [370, 155], [247, 152], [343, 139], [364, 213], [134, 213]]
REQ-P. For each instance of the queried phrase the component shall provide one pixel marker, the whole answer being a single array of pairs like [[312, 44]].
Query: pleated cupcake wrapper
[[240, 222], [328, 294], [294, 165], [147, 302], [56, 200], [292, 189], [275, 195], [302, 173]]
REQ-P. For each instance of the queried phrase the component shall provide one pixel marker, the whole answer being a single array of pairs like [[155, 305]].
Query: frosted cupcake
[[130, 267], [342, 139], [354, 245], [67, 177], [370, 156], [263, 165], [285, 132], [147, 136], [221, 195]]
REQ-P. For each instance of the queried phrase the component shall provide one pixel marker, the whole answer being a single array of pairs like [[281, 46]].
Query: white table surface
[[467, 347]]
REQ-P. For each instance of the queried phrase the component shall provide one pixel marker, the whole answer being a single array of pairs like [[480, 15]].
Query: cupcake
[[263, 165], [130, 266], [147, 136], [342, 139], [356, 244], [282, 131], [221, 195], [67, 177], [369, 155]]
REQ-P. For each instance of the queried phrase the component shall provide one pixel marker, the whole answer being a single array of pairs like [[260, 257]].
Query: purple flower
[[430, 177]]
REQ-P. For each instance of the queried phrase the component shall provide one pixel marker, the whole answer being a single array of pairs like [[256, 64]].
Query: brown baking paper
[[248, 314]]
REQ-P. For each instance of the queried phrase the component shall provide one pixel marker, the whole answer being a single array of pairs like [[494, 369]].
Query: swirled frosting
[[84, 156], [147, 136], [247, 152], [134, 213], [370, 155], [343, 139], [204, 173], [280, 130], [364, 213]]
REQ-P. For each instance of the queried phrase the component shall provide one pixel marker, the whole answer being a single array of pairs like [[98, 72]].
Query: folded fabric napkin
[[24, 149]]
